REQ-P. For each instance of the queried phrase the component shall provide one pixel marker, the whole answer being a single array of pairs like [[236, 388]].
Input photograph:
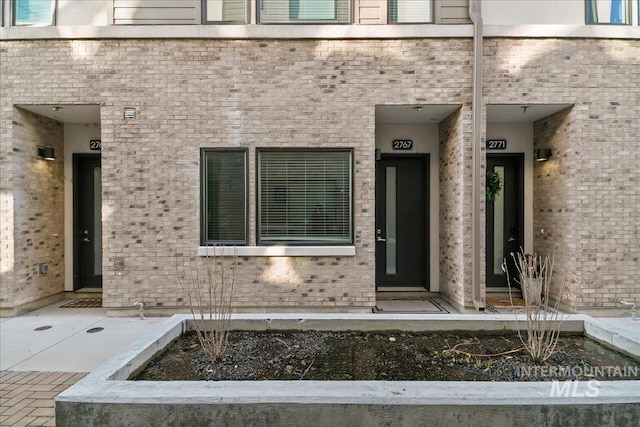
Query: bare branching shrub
[[209, 283], [543, 318]]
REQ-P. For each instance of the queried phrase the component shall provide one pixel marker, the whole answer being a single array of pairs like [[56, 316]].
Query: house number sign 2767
[[95, 144], [402, 144]]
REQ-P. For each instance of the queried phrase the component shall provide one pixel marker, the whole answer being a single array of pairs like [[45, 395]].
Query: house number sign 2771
[[496, 144], [95, 144]]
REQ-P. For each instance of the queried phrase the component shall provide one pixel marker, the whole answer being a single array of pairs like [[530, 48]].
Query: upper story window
[[304, 11], [33, 12], [608, 11], [410, 11], [225, 11]]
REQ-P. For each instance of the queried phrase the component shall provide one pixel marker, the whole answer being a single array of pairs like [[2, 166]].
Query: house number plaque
[[496, 144], [402, 144]]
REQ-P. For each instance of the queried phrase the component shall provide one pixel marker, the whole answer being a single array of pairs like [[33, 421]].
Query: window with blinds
[[407, 11], [224, 197], [608, 11], [304, 196], [225, 10], [304, 11], [33, 12]]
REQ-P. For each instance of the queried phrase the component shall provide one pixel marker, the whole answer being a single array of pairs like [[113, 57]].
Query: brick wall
[[554, 204], [455, 208], [6, 207], [586, 196], [39, 213], [191, 94]]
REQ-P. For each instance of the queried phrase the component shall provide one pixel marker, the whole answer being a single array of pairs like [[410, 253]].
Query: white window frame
[[629, 13], [259, 4], [247, 9], [14, 12], [432, 13]]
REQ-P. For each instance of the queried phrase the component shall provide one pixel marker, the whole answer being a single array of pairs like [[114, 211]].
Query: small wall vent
[[129, 113]]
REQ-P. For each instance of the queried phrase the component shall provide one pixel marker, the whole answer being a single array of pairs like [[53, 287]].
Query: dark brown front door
[[87, 203], [402, 221], [505, 223]]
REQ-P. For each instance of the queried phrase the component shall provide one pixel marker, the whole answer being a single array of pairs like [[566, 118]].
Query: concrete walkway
[[36, 365], [46, 351]]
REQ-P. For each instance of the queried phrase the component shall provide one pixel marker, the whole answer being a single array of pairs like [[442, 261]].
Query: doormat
[[504, 305], [505, 302], [84, 303], [428, 306]]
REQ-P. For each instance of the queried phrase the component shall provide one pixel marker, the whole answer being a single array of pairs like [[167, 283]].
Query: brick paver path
[[26, 398]]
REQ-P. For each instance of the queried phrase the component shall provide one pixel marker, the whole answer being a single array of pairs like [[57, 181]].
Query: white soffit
[[66, 113], [521, 113], [414, 113]]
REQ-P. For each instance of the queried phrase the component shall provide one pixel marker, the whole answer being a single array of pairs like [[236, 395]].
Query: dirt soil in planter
[[386, 356]]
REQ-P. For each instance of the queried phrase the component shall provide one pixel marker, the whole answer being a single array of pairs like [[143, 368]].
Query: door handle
[[380, 239], [86, 240]]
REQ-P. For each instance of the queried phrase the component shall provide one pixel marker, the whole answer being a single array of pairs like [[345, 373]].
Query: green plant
[[493, 185]]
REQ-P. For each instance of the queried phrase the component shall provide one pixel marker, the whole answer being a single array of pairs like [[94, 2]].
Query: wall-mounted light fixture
[[46, 153], [543, 154]]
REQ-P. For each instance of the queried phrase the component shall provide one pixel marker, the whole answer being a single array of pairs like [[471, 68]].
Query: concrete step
[[405, 295]]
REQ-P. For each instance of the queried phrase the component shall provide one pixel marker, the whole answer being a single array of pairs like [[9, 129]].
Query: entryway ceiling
[[66, 113], [521, 113], [415, 113]]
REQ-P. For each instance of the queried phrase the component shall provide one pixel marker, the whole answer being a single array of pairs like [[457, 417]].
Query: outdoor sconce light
[[46, 153], [543, 154]]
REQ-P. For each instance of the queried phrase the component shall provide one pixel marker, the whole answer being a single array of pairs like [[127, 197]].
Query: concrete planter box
[[106, 398]]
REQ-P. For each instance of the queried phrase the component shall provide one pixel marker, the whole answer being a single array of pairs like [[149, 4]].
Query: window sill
[[278, 251], [250, 32], [563, 31]]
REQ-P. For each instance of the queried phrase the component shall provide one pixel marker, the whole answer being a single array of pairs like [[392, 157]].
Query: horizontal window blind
[[226, 10], [411, 11], [303, 11], [225, 197], [34, 12], [305, 196], [608, 11]]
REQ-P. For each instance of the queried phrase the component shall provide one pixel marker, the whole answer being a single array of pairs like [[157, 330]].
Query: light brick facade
[[38, 215], [586, 198], [196, 94], [455, 208], [193, 94]]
